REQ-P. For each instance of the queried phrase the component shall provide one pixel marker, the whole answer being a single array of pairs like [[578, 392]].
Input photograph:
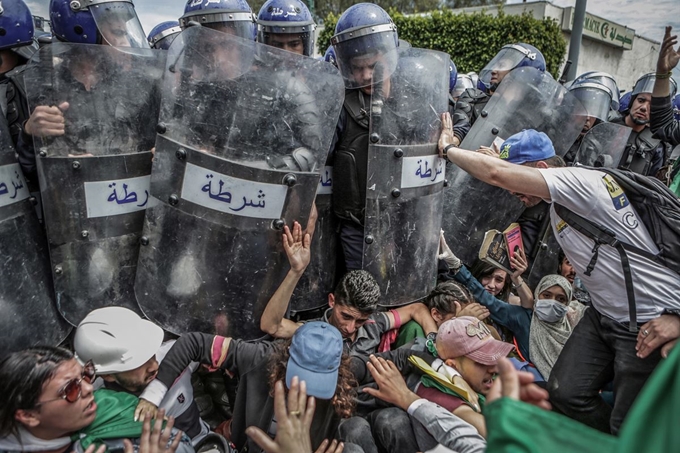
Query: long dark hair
[[23, 375], [344, 400], [482, 269]]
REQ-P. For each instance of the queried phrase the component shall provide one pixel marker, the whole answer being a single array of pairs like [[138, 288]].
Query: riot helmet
[[463, 82], [329, 56], [645, 84], [17, 31], [109, 22], [511, 56], [230, 16], [595, 97], [606, 80], [453, 75], [624, 102], [365, 36], [116, 339], [163, 34], [286, 24]]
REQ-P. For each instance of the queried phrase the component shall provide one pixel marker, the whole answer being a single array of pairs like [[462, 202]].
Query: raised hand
[[297, 247]]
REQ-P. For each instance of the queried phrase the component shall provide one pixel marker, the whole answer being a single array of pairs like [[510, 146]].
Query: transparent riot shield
[[28, 314], [406, 177], [603, 145], [526, 99], [94, 179], [317, 282], [243, 137]]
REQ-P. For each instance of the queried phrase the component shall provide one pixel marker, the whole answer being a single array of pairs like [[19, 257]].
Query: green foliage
[[472, 40]]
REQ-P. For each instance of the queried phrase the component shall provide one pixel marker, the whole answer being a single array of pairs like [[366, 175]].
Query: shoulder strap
[[604, 236], [355, 104]]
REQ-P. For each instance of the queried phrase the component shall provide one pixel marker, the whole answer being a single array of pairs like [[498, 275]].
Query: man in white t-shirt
[[602, 349]]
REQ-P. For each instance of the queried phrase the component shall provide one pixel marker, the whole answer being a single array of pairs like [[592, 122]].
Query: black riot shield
[[603, 145], [243, 137], [94, 179], [526, 99], [405, 177], [28, 314]]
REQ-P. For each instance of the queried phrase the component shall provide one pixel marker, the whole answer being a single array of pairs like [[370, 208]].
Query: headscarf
[[546, 340]]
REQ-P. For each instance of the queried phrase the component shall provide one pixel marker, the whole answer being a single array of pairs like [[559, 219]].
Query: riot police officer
[[229, 16], [288, 25], [94, 127], [364, 36], [163, 34], [461, 125], [510, 57], [644, 154], [28, 314], [597, 99], [17, 44]]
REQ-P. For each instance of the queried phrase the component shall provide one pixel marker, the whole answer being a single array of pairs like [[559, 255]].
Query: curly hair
[[445, 294], [358, 289], [344, 400]]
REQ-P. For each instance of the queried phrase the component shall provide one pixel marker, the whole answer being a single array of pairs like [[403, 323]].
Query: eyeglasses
[[73, 389]]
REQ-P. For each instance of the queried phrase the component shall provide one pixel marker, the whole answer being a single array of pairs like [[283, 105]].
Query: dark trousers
[[599, 350], [352, 241], [382, 431]]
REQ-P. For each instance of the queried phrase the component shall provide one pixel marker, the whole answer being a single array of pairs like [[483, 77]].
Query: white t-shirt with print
[[597, 197]]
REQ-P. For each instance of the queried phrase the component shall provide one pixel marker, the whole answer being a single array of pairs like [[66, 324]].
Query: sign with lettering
[[231, 195], [422, 171], [326, 181], [117, 197], [600, 29], [13, 187]]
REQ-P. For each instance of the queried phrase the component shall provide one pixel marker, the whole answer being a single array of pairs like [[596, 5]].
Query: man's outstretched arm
[[491, 170], [297, 246]]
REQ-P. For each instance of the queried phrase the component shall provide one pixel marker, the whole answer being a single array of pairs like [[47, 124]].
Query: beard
[[638, 121]]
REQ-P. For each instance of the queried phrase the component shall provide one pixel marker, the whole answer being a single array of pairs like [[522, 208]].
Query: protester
[[48, 404], [313, 354], [353, 304], [661, 122], [125, 350], [446, 301], [604, 345]]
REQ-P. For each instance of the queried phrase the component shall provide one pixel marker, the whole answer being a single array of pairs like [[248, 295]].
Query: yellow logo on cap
[[505, 151]]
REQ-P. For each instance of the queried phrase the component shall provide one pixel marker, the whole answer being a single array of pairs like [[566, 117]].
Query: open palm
[[297, 247]]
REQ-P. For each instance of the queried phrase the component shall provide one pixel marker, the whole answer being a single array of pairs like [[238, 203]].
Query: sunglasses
[[73, 389]]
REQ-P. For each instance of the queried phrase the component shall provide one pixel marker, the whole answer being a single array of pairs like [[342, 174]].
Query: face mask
[[549, 310]]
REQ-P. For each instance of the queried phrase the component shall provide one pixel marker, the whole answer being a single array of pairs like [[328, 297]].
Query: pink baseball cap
[[470, 337]]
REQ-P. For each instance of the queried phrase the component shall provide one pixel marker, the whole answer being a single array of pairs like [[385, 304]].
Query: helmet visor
[[463, 82], [506, 60], [606, 80], [119, 25], [596, 100], [296, 39], [358, 56]]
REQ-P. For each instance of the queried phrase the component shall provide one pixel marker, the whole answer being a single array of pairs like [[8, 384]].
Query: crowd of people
[[568, 350]]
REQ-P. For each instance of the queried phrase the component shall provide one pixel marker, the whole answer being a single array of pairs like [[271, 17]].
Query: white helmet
[[116, 340]]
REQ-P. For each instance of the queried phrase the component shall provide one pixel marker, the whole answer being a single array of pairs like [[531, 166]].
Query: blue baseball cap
[[315, 353], [527, 146]]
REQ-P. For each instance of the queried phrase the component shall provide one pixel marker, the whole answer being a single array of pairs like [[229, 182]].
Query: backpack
[[659, 210]]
